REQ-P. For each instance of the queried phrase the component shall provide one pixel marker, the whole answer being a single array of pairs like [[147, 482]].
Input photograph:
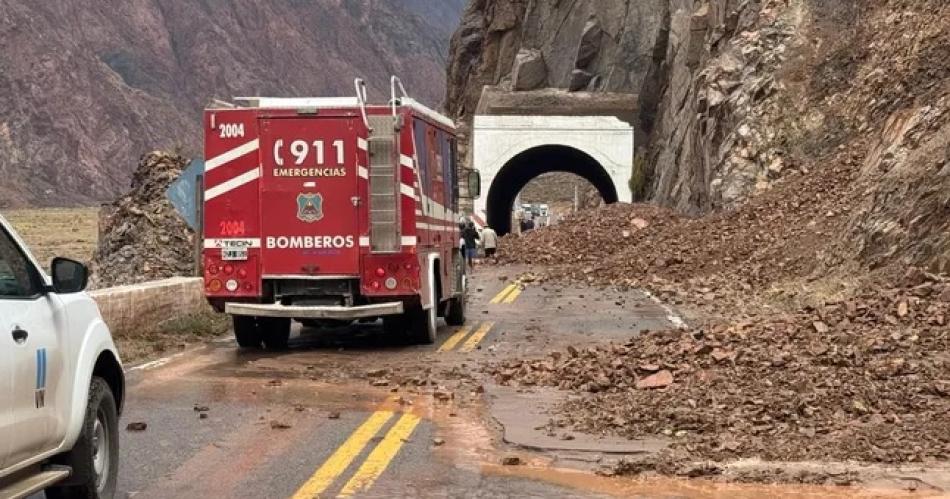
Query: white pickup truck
[[61, 381]]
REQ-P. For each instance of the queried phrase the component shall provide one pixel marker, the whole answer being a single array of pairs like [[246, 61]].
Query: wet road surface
[[317, 421]]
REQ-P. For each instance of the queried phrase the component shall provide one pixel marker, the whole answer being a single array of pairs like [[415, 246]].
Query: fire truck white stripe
[[232, 155], [362, 144], [405, 160], [406, 241], [234, 183], [362, 172], [407, 190]]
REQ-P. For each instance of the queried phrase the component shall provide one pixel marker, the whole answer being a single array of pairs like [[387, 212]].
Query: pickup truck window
[[17, 276]]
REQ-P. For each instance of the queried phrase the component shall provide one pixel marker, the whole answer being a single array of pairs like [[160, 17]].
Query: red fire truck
[[330, 210]]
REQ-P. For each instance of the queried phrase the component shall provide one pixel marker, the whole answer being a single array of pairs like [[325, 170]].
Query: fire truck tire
[[456, 311], [246, 332], [423, 325], [275, 332]]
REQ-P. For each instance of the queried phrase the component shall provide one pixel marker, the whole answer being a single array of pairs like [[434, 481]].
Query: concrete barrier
[[140, 306]]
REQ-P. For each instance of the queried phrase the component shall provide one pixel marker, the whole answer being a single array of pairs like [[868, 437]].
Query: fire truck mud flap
[[314, 312]]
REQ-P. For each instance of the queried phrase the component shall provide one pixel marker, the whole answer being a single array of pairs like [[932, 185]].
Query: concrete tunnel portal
[[532, 163], [517, 136]]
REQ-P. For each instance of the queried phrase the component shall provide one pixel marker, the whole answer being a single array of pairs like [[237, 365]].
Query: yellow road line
[[337, 463], [504, 292], [378, 460], [476, 337], [513, 295], [455, 339]]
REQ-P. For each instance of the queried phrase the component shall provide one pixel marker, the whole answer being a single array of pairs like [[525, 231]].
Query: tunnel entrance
[[531, 163]]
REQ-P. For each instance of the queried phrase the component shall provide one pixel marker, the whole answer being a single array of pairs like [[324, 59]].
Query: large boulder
[[529, 72], [589, 46]]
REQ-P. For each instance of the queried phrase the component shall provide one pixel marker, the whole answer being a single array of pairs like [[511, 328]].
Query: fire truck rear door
[[309, 196]]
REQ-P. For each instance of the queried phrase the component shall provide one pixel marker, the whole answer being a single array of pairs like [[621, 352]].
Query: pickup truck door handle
[[19, 335]]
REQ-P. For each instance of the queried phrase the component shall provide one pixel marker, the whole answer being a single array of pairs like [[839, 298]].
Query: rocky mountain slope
[[736, 96], [86, 88]]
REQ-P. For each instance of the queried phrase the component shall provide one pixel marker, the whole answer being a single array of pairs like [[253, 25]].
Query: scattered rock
[[136, 426], [278, 425], [661, 379], [511, 460]]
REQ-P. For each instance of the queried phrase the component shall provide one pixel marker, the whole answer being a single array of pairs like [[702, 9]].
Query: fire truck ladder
[[384, 185]]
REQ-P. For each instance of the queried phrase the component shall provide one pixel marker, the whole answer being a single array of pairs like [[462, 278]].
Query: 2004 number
[[300, 150], [231, 130], [232, 227]]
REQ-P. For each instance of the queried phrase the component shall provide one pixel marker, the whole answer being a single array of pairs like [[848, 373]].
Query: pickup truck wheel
[[95, 457], [275, 332], [246, 332]]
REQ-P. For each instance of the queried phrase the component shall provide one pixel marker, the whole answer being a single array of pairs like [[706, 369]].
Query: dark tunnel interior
[[529, 164]]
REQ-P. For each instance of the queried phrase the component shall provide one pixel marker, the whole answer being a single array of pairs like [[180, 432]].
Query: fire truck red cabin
[[328, 210]]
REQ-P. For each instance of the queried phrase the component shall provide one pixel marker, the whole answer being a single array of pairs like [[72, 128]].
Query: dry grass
[[173, 335], [51, 232]]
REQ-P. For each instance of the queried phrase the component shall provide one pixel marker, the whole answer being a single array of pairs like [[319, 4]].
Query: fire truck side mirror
[[474, 183]]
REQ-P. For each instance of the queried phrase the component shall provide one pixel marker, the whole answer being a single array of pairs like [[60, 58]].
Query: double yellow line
[[509, 294], [373, 466], [472, 342]]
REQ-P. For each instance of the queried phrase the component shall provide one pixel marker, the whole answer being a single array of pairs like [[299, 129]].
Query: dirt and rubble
[[141, 236], [861, 379]]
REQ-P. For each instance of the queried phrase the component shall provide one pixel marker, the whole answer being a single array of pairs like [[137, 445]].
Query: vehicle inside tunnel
[[534, 162]]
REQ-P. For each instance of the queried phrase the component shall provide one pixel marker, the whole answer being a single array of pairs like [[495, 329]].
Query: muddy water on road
[[693, 489]]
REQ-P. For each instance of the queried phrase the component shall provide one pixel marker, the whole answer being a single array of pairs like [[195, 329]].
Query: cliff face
[[86, 88], [608, 45], [737, 96], [698, 68]]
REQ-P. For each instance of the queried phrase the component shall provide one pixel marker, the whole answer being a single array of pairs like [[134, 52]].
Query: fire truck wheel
[[246, 332], [423, 325], [275, 332], [456, 312]]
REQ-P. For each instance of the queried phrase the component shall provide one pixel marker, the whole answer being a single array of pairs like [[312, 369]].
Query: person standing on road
[[490, 241], [462, 240], [470, 235]]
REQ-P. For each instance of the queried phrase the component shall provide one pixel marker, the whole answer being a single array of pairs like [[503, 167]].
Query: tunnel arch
[[531, 163]]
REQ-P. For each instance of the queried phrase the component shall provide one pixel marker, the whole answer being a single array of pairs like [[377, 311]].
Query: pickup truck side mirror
[[69, 276], [474, 183]]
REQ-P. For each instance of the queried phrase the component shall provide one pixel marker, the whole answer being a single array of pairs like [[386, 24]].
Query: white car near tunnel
[[61, 381]]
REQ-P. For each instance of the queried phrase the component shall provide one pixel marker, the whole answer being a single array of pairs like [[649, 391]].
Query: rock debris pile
[[141, 236], [864, 378]]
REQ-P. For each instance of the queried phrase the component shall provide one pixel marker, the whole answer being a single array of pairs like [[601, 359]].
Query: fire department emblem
[[310, 207]]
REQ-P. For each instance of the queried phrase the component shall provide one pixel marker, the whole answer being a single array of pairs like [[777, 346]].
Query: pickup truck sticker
[[40, 397]]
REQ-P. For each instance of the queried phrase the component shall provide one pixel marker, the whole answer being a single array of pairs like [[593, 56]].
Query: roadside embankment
[[151, 318]]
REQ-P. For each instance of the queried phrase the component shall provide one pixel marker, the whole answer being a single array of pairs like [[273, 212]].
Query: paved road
[[309, 422]]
